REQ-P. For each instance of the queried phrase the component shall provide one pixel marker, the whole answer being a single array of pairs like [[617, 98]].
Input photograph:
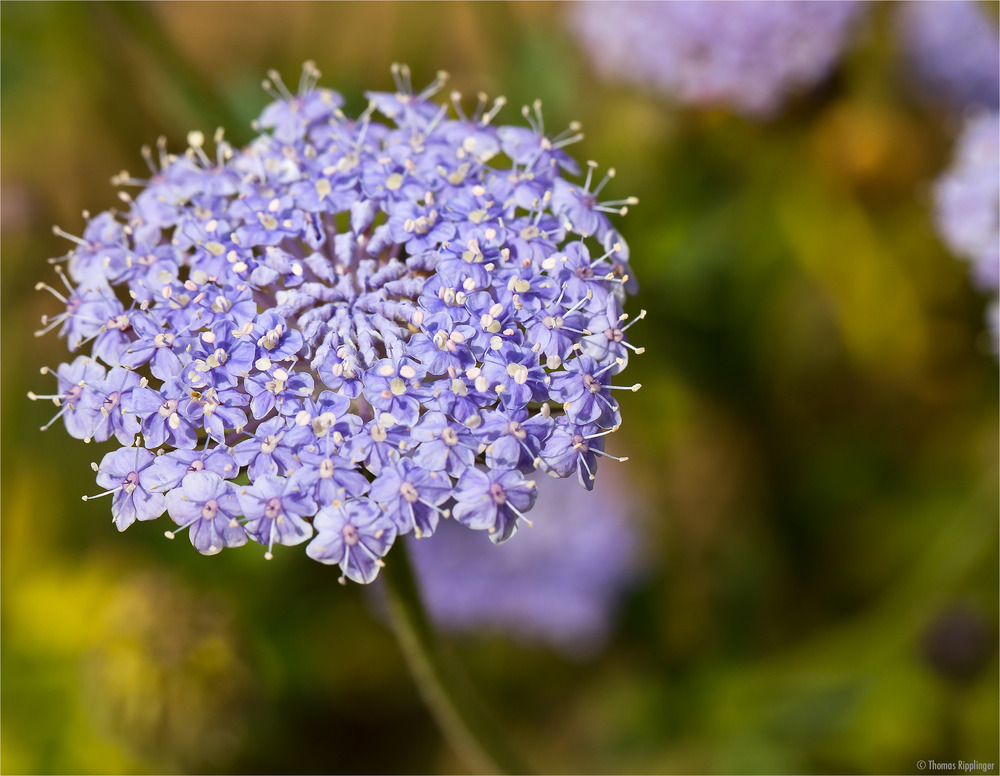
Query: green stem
[[458, 712]]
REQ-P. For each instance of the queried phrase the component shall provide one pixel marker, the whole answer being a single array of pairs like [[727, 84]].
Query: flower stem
[[458, 712]]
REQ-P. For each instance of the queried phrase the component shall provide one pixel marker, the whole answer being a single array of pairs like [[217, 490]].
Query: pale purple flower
[[373, 324], [77, 397], [329, 477], [115, 414], [513, 439], [445, 445], [411, 496], [168, 415], [951, 51], [585, 393], [493, 501], [131, 479], [747, 56], [219, 357], [208, 507], [275, 508], [967, 197], [354, 534], [173, 466], [267, 452]]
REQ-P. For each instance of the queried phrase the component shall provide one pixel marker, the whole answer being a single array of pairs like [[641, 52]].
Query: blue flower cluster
[[746, 56], [349, 329], [968, 208]]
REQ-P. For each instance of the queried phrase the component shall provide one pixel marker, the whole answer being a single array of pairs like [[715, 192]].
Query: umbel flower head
[[348, 330], [746, 56]]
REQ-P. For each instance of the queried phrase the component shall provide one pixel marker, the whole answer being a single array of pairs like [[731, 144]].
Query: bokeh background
[[813, 468]]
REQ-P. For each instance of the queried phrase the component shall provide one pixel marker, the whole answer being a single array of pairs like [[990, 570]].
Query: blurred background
[[812, 488]]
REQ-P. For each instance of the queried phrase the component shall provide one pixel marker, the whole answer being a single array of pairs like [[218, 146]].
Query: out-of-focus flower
[[968, 203], [374, 324], [746, 56], [952, 51], [958, 643], [968, 196], [558, 582]]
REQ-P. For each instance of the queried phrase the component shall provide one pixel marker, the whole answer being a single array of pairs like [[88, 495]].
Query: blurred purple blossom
[[747, 56], [558, 581], [968, 204], [952, 50]]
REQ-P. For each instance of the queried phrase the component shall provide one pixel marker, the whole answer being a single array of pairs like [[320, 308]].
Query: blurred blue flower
[[371, 324], [559, 581], [952, 50], [747, 56], [968, 205]]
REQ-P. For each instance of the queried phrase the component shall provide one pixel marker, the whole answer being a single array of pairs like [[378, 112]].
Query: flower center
[[323, 423], [168, 408], [497, 493], [408, 492], [217, 359], [350, 534], [270, 340], [277, 385], [397, 387], [131, 482], [270, 444], [119, 322], [516, 430], [518, 286], [326, 469], [273, 508], [210, 510], [519, 372], [111, 402]]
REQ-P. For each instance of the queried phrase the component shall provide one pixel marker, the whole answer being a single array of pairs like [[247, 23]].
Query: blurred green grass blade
[[191, 85]]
